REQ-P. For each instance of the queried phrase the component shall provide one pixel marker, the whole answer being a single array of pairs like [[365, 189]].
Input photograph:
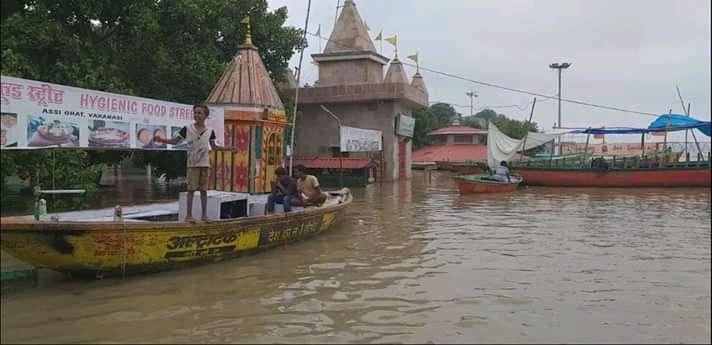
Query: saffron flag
[[414, 57], [392, 40]]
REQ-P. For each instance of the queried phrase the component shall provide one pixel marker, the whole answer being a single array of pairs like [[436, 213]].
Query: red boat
[[480, 183], [669, 176], [627, 172], [468, 168], [444, 165]]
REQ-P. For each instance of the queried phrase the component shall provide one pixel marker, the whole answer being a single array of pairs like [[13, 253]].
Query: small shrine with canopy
[[255, 124]]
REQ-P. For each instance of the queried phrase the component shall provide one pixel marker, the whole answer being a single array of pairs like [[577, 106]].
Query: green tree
[[7, 168], [53, 169], [169, 50], [173, 50], [513, 128], [433, 117], [440, 115], [443, 113], [425, 122]]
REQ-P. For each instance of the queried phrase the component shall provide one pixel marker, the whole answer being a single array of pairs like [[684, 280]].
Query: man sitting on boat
[[310, 194], [284, 192], [501, 173]]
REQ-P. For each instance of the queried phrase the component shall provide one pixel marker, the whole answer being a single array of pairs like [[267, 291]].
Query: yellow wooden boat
[[94, 243]]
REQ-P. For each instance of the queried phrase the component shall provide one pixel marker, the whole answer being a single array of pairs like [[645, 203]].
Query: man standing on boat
[[284, 192], [310, 193], [200, 139]]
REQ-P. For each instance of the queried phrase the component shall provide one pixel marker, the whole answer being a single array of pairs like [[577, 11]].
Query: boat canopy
[[679, 122], [500, 147], [664, 123]]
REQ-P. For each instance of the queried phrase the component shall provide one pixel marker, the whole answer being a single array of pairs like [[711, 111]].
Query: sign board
[[613, 149], [38, 114], [405, 126], [360, 140]]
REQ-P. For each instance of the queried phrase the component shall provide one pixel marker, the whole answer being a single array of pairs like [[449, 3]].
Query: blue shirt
[[290, 184]]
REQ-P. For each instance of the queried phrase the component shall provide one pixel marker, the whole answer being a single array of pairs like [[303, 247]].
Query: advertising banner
[[360, 140], [38, 114], [405, 126]]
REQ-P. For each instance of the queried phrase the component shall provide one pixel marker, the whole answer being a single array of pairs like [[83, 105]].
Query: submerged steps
[[16, 274]]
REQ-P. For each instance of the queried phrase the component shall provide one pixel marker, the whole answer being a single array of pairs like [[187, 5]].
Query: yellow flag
[[392, 40], [318, 31], [414, 57], [379, 37], [245, 20]]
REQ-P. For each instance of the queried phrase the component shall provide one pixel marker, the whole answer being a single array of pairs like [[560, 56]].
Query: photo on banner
[[145, 135], [49, 130], [9, 133], [109, 134], [183, 144], [40, 114]]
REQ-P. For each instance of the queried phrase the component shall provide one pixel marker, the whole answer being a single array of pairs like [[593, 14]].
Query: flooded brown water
[[415, 262]]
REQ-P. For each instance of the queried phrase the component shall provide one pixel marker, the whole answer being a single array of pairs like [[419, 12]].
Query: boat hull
[[468, 169], [115, 249], [473, 184], [646, 177], [444, 165]]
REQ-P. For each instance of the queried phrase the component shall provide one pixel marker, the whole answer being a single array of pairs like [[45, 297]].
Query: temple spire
[[350, 33], [396, 73], [248, 35]]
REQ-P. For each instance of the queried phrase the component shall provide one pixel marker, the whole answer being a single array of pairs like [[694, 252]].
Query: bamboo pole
[[585, 148], [687, 112], [526, 126]]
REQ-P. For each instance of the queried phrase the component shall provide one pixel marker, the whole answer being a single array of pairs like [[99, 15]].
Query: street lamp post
[[472, 96], [560, 66]]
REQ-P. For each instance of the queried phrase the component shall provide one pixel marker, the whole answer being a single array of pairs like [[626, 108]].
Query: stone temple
[[352, 85]]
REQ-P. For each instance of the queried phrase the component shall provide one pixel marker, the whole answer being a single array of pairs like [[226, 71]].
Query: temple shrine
[[455, 143], [255, 125], [352, 86]]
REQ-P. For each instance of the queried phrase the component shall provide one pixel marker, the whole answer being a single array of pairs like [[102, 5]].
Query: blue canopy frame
[[664, 123]]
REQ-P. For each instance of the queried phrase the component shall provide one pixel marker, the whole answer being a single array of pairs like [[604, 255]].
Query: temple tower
[[352, 85]]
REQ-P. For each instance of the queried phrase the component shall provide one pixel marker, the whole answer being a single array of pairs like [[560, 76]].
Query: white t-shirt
[[501, 170], [198, 146]]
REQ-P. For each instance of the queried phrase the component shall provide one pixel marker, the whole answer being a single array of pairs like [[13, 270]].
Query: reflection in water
[[421, 264], [130, 191]]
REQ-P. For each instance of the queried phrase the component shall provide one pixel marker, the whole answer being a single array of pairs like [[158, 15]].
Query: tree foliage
[[433, 117], [169, 50], [53, 169], [441, 115], [513, 128], [172, 50]]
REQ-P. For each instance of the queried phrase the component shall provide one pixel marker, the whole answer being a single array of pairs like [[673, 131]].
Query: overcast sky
[[626, 53]]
